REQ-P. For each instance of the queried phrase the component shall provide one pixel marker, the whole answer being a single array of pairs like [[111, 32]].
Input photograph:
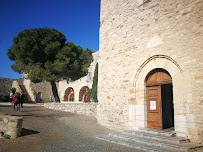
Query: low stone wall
[[11, 125], [76, 107]]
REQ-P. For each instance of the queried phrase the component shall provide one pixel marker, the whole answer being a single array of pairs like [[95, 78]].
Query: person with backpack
[[16, 101]]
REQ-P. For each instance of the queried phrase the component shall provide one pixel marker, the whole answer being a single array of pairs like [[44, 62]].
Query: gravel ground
[[46, 130]]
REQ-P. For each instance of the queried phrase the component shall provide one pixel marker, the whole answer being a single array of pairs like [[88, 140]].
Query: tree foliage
[[93, 92], [13, 90], [43, 54]]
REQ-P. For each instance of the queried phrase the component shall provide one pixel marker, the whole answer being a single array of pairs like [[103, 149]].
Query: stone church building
[[150, 66]]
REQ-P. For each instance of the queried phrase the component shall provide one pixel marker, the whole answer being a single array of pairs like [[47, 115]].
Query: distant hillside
[[6, 84]]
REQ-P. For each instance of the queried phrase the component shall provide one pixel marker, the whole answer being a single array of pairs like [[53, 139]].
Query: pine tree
[[43, 54]]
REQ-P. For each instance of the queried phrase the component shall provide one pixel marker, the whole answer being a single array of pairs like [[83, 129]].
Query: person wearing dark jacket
[[22, 98]]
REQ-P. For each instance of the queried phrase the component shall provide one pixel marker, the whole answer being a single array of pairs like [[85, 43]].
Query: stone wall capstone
[[76, 107]]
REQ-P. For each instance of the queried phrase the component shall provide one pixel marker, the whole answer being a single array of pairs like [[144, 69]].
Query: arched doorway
[[160, 111], [69, 94], [83, 94]]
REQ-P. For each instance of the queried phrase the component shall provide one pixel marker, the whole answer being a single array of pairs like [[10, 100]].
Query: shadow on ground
[[6, 105], [35, 110], [26, 132]]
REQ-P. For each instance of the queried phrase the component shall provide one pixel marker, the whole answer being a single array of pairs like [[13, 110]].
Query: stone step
[[153, 142], [145, 135], [165, 132], [134, 144]]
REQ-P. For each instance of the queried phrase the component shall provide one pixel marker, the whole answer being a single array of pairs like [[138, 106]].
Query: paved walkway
[[46, 130]]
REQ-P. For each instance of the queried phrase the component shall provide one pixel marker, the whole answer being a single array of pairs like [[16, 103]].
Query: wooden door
[[154, 107]]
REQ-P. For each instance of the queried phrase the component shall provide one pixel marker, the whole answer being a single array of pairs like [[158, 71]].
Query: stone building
[[40, 92], [150, 66], [77, 88]]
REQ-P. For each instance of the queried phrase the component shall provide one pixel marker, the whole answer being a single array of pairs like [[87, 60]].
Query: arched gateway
[[69, 94], [83, 94], [160, 111]]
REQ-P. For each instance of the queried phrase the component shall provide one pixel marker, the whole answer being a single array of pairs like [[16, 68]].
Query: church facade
[[150, 66]]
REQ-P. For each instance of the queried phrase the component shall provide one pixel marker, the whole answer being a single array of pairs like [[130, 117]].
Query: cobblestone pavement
[[46, 130]]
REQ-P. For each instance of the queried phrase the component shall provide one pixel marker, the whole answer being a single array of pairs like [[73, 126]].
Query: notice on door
[[152, 105]]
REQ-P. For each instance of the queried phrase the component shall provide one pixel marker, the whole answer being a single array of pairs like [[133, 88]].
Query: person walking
[[51, 99], [16, 101], [22, 98], [11, 97]]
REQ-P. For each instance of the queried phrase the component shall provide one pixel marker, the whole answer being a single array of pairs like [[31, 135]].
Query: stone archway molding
[[159, 56]]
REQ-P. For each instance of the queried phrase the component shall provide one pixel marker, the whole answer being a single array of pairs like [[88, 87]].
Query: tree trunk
[[55, 91]]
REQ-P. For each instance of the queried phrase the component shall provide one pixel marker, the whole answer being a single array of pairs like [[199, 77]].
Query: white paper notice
[[152, 105]]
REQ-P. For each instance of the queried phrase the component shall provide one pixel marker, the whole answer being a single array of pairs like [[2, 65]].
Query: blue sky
[[78, 20]]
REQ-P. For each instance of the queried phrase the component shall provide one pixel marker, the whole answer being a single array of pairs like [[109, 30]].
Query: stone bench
[[11, 125]]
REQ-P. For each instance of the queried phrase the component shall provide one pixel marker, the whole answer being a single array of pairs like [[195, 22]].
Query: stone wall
[[137, 37], [39, 92], [42, 91], [6, 84], [11, 125], [77, 107]]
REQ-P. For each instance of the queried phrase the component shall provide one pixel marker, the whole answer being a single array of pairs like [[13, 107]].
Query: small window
[[39, 97], [40, 94], [89, 76]]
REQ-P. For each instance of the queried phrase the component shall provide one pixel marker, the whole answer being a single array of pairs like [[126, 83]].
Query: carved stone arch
[[83, 91], [69, 91], [156, 59]]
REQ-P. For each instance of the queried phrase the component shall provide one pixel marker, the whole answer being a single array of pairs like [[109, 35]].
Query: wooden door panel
[[153, 117], [152, 92], [154, 125], [166, 79], [154, 79], [159, 78], [154, 107]]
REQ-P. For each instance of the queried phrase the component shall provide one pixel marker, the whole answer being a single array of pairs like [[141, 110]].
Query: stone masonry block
[[12, 125]]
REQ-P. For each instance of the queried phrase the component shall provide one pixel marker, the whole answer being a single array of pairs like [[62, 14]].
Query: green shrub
[[6, 136]]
